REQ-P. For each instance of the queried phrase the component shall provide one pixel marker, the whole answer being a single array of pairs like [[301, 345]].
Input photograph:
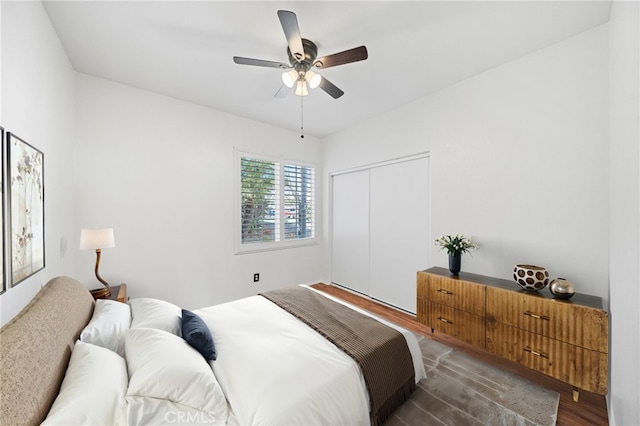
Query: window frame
[[282, 243]]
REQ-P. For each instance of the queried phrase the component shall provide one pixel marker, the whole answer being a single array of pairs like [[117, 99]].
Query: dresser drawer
[[463, 295], [583, 368], [462, 325], [564, 321]]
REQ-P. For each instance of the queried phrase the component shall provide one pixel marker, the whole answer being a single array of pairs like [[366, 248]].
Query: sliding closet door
[[350, 230], [399, 232]]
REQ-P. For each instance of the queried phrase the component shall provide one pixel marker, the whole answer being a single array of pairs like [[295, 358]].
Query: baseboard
[[373, 299]]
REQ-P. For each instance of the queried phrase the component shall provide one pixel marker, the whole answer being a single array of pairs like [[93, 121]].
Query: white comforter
[[271, 369], [274, 369]]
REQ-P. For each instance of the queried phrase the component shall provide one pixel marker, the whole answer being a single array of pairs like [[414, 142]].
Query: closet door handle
[[443, 291], [445, 320]]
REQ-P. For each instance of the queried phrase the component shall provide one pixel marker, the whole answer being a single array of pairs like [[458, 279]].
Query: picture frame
[[25, 184]]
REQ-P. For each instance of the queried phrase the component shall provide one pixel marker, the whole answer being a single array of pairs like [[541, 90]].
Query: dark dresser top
[[577, 299]]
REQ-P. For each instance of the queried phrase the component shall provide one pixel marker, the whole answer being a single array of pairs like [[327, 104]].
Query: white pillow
[[93, 390], [155, 313], [108, 325], [170, 381]]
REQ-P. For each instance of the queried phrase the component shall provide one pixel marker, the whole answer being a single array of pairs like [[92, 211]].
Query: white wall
[[160, 172], [519, 161], [38, 106], [624, 179]]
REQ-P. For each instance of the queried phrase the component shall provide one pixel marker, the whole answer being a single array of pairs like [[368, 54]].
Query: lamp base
[[101, 293]]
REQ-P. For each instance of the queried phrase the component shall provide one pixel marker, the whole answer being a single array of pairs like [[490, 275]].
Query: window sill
[[262, 247]]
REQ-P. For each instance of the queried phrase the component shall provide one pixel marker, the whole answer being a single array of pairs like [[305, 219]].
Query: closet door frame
[[368, 167]]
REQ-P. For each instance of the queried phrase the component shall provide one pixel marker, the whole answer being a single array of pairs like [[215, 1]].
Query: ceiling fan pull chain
[[301, 117]]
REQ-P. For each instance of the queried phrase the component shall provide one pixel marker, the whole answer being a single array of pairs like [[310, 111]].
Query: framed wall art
[[26, 207]]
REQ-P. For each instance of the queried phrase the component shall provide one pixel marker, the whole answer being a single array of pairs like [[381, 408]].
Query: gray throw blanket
[[380, 351]]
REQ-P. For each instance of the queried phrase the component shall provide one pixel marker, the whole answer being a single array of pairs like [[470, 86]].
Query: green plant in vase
[[455, 245]]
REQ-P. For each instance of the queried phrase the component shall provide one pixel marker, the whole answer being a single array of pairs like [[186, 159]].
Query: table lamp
[[98, 239]]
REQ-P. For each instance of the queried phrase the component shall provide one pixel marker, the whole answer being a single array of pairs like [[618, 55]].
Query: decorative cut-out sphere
[[531, 277]]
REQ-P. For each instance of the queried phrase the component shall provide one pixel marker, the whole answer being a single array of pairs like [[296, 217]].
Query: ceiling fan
[[302, 57]]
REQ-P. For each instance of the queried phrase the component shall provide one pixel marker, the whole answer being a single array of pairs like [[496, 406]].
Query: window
[[276, 203]]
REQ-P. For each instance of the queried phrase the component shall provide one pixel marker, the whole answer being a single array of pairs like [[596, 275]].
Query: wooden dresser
[[564, 339]]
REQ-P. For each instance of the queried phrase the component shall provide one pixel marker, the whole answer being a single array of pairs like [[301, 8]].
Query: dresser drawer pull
[[536, 316], [540, 354], [443, 291], [445, 320]]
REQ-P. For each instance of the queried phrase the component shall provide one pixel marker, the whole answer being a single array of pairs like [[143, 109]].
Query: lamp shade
[[301, 88], [94, 239], [289, 78], [313, 79]]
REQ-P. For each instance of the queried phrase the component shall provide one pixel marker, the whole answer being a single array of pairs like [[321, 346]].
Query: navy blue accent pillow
[[198, 335]]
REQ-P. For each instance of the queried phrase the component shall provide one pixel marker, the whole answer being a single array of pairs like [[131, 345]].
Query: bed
[[66, 359]]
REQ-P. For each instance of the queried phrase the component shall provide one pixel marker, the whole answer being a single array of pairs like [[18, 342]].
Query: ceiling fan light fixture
[[289, 78], [313, 79], [301, 88], [303, 55]]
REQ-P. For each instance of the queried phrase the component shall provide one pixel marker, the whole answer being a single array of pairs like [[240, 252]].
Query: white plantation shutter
[[259, 200], [299, 202], [277, 203]]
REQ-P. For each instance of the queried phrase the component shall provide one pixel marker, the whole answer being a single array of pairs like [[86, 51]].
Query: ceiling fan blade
[[330, 88], [282, 92], [260, 62], [346, 57], [291, 30]]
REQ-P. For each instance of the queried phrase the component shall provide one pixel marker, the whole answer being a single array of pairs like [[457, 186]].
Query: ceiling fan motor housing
[[310, 54]]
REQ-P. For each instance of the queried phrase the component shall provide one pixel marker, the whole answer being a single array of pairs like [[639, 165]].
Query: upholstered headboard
[[35, 347]]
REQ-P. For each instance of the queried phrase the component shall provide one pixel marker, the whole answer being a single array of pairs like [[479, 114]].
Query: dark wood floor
[[590, 410]]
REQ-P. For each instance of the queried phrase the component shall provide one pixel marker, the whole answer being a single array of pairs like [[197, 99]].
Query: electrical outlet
[[256, 277]]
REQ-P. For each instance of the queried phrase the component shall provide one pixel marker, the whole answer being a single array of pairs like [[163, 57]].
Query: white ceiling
[[184, 49]]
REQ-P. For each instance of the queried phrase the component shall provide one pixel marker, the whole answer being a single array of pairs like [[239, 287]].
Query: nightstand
[[119, 293]]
